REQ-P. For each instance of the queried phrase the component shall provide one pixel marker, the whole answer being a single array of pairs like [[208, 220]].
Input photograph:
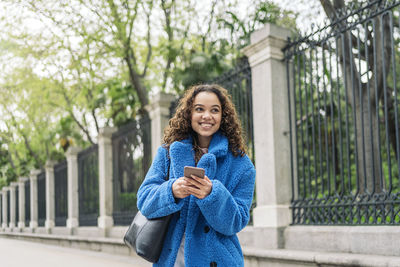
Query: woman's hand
[[199, 187], [179, 188]]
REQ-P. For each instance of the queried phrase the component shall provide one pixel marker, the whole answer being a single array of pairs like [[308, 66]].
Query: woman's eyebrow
[[211, 106]]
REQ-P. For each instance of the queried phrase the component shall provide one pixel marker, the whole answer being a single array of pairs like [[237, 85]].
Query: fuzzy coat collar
[[182, 154]]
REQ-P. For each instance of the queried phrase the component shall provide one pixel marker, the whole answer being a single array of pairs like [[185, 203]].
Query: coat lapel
[[182, 155]]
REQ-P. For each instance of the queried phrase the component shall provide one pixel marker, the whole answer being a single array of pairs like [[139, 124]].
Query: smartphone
[[188, 171]]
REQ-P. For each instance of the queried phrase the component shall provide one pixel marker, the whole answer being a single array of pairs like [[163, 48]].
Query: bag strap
[[169, 165]]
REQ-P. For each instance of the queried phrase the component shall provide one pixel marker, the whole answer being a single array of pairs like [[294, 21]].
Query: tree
[[363, 53], [89, 64], [378, 38]]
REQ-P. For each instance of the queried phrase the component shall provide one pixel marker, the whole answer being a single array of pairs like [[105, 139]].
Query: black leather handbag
[[146, 236]]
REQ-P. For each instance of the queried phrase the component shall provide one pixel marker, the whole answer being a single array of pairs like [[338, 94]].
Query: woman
[[208, 212]]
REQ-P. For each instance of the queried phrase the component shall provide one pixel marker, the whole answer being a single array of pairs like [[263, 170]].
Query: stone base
[[72, 222], [262, 237], [105, 222], [33, 224], [374, 240], [272, 216], [49, 224], [21, 225], [117, 231], [256, 257]]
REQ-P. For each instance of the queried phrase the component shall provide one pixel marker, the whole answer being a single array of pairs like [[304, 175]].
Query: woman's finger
[[197, 192]]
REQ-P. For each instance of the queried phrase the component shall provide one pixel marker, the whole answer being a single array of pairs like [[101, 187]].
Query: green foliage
[[123, 102], [74, 67], [264, 12], [201, 68]]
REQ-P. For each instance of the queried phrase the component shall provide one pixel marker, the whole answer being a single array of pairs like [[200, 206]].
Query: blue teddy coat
[[210, 224]]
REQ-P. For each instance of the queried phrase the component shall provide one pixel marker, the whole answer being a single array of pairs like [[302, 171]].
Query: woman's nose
[[206, 115]]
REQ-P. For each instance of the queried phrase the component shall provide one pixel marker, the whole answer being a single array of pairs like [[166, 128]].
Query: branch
[[149, 47], [71, 113], [345, 50], [167, 15], [132, 19], [95, 119], [26, 141], [11, 160], [203, 44], [136, 82]]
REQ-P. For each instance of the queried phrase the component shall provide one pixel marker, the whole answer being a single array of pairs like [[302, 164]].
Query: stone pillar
[[159, 114], [105, 220], [73, 197], [34, 198], [13, 205], [21, 202], [5, 204], [50, 196], [271, 125]]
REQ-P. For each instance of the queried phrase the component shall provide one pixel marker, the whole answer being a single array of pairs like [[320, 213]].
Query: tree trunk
[[369, 172], [370, 175]]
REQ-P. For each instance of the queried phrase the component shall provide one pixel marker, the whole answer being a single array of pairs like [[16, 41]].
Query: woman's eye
[[215, 110], [198, 109]]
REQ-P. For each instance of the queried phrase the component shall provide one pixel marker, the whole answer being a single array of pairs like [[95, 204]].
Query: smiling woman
[[208, 212]]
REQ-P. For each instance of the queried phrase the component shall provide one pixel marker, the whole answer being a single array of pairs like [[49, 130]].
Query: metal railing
[[238, 83], [343, 100], [41, 191], [16, 205], [131, 160], [8, 207], [88, 180], [27, 202], [61, 193]]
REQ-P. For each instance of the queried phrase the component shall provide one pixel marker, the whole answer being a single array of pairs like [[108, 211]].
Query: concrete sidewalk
[[17, 253]]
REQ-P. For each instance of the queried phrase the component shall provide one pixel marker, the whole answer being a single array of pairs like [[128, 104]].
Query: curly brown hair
[[180, 128]]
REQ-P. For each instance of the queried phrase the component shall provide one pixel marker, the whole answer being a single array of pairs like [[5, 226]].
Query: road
[[16, 253]]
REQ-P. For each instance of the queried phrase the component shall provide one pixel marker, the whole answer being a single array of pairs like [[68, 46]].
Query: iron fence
[[27, 202], [41, 191], [61, 193], [343, 106], [131, 160], [238, 83], [88, 180], [16, 205], [8, 207]]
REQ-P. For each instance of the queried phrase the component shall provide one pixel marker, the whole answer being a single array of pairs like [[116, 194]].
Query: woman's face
[[206, 116]]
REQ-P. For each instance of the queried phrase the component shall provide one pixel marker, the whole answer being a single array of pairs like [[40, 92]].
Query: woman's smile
[[206, 125]]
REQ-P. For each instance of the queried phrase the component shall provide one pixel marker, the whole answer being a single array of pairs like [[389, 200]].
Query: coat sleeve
[[229, 212], [155, 198]]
